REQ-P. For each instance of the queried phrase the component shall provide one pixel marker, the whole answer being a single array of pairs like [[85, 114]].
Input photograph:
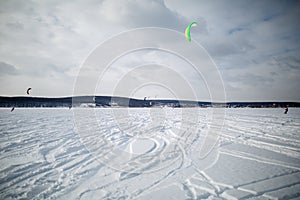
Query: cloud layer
[[254, 44]]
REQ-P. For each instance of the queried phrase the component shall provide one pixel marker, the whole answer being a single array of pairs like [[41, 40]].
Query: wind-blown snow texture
[[44, 155]]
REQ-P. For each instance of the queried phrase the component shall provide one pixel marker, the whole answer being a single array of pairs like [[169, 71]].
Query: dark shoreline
[[108, 101]]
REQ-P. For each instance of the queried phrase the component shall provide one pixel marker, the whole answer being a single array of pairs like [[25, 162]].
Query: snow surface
[[149, 153]]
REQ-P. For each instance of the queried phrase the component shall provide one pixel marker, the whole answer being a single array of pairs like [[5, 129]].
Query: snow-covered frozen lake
[[149, 153]]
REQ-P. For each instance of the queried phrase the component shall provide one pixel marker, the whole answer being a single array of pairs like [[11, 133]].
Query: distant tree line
[[107, 101]]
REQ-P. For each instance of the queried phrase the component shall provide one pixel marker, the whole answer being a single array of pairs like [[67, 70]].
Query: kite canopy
[[188, 30], [28, 90]]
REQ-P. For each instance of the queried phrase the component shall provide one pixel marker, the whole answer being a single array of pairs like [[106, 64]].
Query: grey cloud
[[7, 69], [274, 73], [32, 71], [14, 6], [142, 13], [228, 47], [16, 26], [249, 79], [44, 70], [288, 62]]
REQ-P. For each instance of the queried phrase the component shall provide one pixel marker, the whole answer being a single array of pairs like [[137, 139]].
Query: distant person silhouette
[[286, 110]]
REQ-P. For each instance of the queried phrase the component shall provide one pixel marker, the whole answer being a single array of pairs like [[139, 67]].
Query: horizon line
[[156, 99]]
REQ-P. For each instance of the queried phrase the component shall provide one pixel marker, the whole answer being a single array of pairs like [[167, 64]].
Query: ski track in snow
[[107, 154]]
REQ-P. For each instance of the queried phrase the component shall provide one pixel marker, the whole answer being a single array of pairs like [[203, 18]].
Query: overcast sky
[[254, 44]]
